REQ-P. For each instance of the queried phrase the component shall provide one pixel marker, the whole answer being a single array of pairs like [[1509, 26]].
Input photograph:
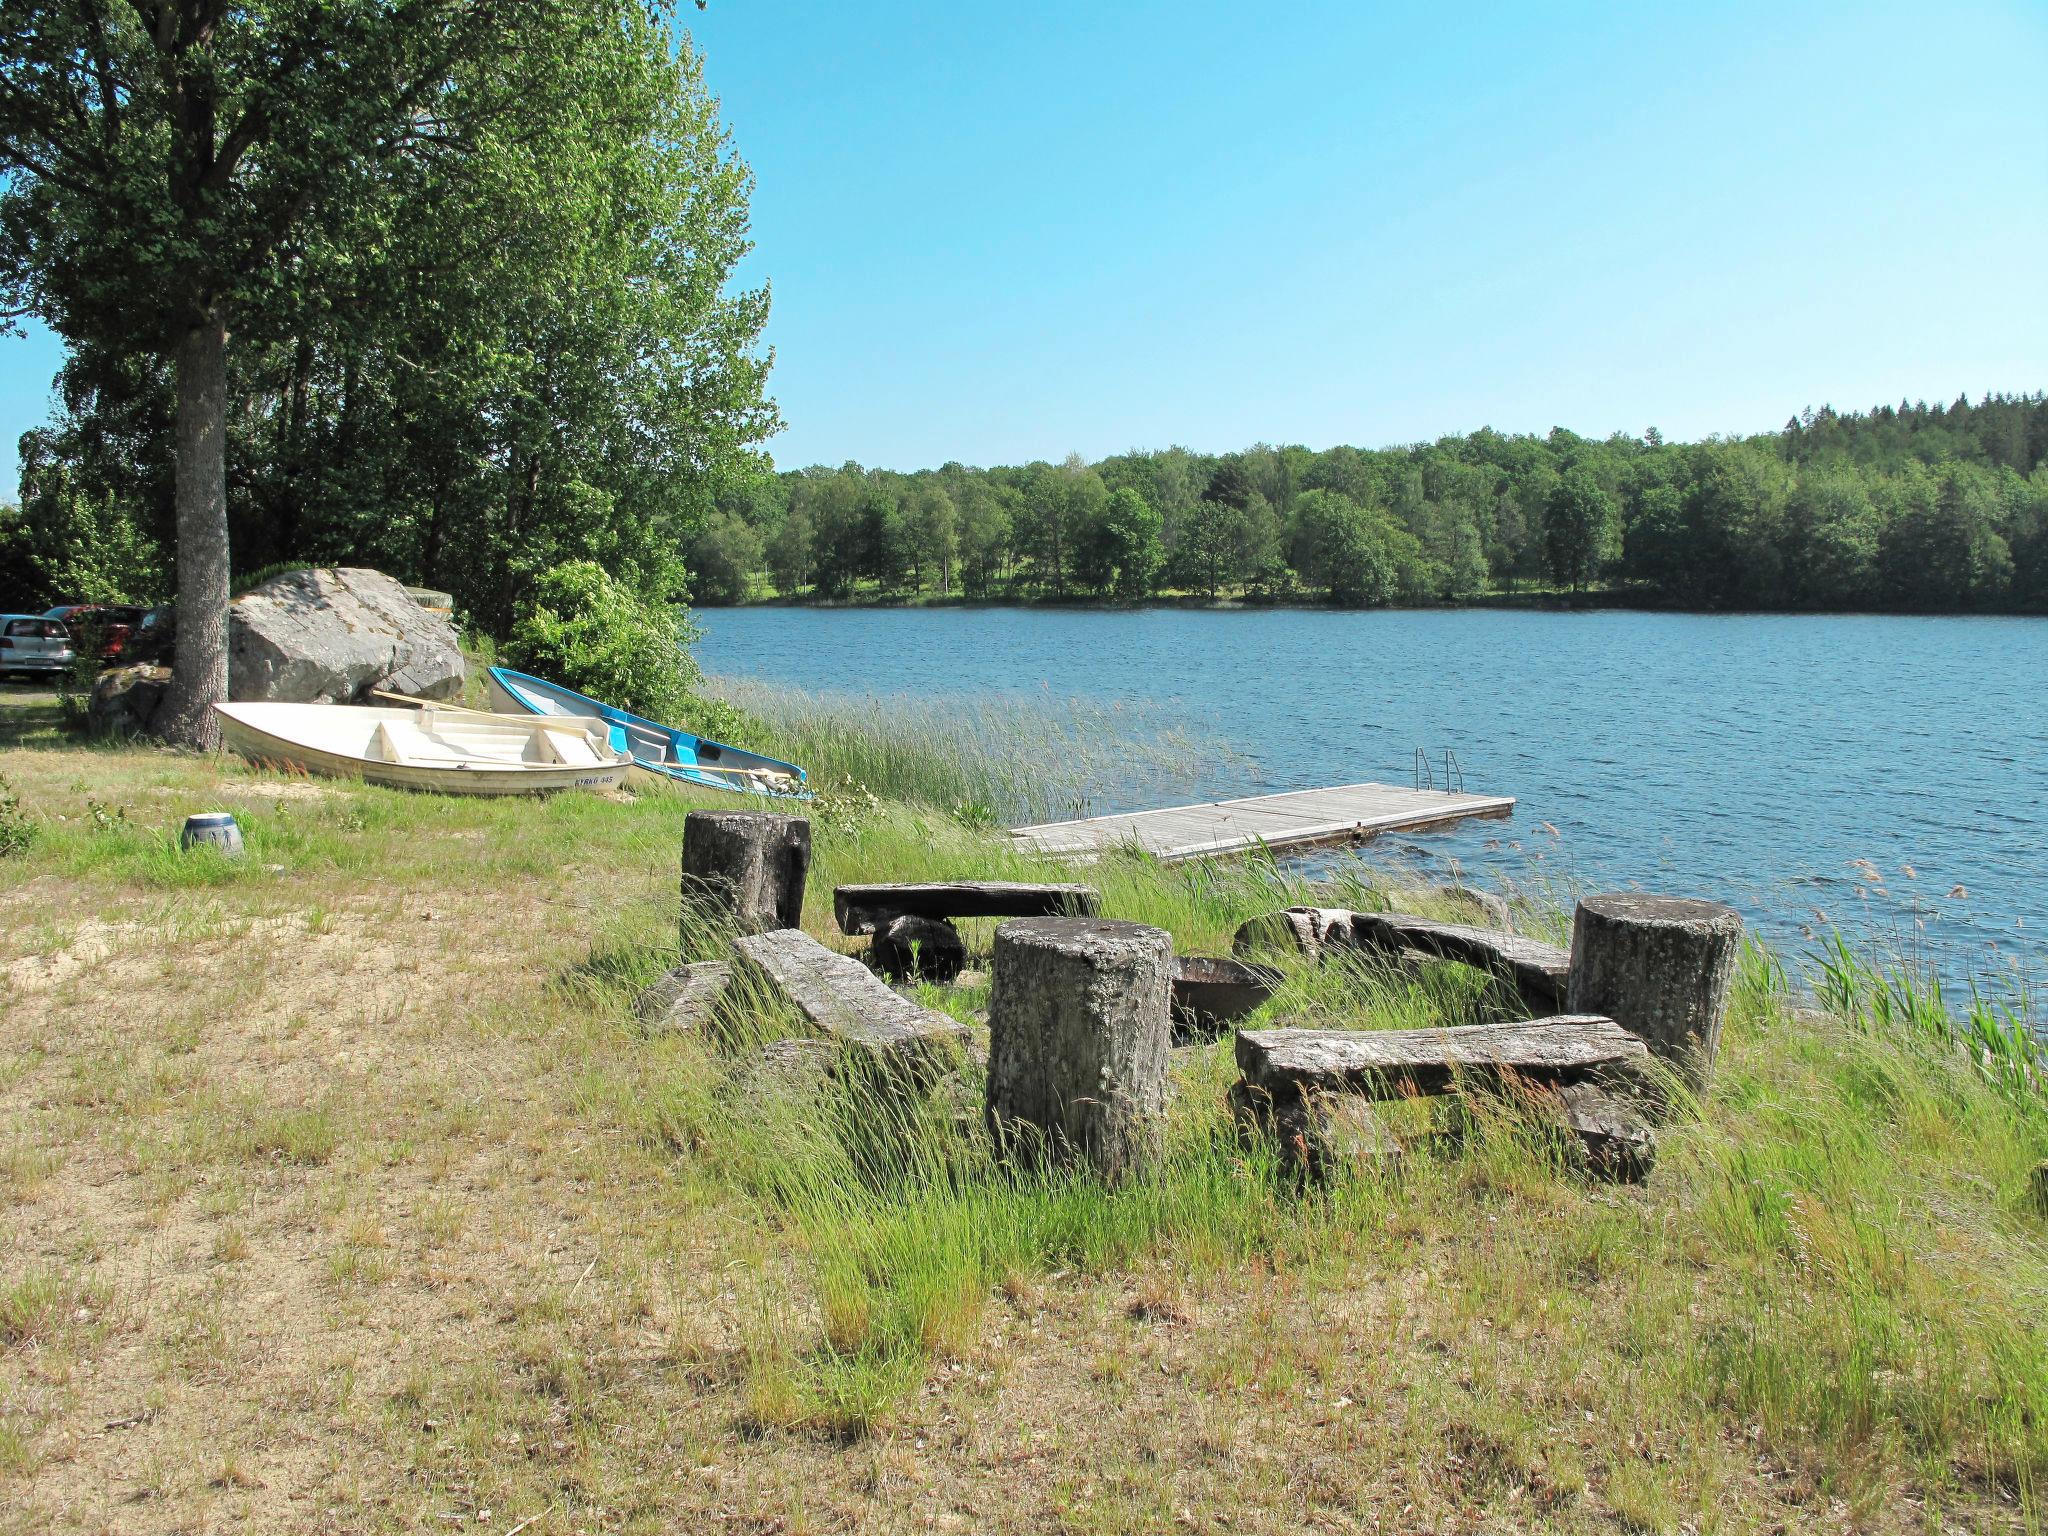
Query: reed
[[1004, 759]]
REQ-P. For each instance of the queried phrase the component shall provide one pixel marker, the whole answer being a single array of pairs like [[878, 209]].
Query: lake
[[1884, 775]]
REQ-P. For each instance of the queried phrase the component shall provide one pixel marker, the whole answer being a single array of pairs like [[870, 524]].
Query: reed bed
[[1006, 759]]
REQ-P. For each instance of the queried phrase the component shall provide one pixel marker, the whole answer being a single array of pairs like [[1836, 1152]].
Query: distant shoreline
[[1532, 602]]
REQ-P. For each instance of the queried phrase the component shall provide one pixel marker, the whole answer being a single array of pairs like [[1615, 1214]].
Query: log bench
[[834, 994], [1538, 972], [912, 923], [1588, 1067]]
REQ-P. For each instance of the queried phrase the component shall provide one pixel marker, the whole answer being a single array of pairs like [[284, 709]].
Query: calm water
[[1755, 759]]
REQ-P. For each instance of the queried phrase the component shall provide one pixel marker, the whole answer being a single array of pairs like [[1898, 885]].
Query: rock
[[329, 636], [910, 948], [125, 700]]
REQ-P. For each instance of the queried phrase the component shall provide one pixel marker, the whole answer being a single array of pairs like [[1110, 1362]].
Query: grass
[[350, 1163], [1002, 760]]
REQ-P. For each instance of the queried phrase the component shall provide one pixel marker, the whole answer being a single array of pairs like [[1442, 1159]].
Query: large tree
[[162, 160]]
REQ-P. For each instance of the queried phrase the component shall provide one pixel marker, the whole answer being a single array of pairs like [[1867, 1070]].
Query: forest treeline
[[1914, 506]]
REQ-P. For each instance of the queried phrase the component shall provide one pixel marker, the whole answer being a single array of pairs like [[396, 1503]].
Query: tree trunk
[[199, 675], [746, 868], [1079, 1042], [1660, 966]]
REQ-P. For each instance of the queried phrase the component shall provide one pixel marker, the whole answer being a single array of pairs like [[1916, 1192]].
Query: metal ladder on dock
[[1453, 772]]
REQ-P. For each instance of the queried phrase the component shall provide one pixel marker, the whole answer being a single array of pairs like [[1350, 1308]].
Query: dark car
[[112, 625]]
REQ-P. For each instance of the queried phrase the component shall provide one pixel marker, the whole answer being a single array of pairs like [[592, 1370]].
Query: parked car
[[31, 645], [112, 624]]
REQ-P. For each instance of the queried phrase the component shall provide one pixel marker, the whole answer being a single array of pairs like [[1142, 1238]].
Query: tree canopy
[[440, 286], [1910, 507]]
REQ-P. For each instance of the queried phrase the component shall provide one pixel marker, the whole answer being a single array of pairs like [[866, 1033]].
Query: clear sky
[[998, 233]]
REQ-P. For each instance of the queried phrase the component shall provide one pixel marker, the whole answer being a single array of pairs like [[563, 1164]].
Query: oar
[[419, 703]]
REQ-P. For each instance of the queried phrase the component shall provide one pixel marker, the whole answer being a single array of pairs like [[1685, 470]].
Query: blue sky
[[1003, 233]]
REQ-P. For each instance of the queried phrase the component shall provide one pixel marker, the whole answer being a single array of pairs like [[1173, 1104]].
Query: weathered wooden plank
[[1537, 970], [1396, 1062], [1294, 819], [1323, 1135], [841, 998], [863, 908], [1614, 1128], [685, 998]]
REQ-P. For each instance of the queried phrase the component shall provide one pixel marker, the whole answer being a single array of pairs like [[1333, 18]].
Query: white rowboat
[[454, 751]]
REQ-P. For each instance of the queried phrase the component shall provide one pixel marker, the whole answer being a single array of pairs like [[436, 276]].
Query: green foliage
[[17, 831], [1912, 507], [726, 553], [582, 629], [1344, 550], [1119, 552], [1581, 529], [500, 336], [66, 544]]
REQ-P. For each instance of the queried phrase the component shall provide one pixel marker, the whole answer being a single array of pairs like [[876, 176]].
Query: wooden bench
[[1537, 971], [843, 1001], [1587, 1067], [912, 923]]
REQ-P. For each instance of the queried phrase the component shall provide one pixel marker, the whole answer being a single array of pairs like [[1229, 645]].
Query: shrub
[[585, 630], [17, 832]]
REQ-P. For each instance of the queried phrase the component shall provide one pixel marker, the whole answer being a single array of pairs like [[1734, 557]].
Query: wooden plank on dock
[[1300, 818]]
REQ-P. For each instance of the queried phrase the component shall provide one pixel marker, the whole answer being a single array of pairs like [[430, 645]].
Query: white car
[[30, 644]]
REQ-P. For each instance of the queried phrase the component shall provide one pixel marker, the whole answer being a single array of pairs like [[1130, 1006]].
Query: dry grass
[[339, 1192]]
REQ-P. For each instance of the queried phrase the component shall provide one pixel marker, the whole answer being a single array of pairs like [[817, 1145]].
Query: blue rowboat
[[657, 748]]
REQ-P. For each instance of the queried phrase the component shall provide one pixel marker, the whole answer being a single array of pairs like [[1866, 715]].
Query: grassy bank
[[339, 1190]]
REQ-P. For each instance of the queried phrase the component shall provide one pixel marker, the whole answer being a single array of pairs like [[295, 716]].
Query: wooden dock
[[1303, 818]]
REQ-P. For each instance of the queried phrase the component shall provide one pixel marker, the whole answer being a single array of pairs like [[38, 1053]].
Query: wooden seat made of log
[[843, 1001], [1538, 971], [1587, 1067], [867, 908], [1396, 1063]]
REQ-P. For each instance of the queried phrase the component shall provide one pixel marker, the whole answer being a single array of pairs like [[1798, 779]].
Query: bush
[[585, 630]]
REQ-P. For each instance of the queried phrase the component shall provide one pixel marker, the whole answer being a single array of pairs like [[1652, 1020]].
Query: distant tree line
[[1904, 507]]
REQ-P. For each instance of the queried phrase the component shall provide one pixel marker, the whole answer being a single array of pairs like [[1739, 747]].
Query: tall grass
[[1003, 758], [2000, 1035]]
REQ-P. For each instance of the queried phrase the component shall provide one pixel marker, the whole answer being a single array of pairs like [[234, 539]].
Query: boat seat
[[384, 746], [572, 749]]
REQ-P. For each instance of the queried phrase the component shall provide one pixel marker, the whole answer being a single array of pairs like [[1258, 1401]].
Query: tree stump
[[912, 948], [1079, 1041], [745, 867], [1659, 966]]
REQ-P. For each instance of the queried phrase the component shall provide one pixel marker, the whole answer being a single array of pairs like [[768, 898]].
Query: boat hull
[[656, 749], [268, 748]]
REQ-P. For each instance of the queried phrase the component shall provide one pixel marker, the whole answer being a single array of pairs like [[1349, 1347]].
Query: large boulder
[[330, 636]]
